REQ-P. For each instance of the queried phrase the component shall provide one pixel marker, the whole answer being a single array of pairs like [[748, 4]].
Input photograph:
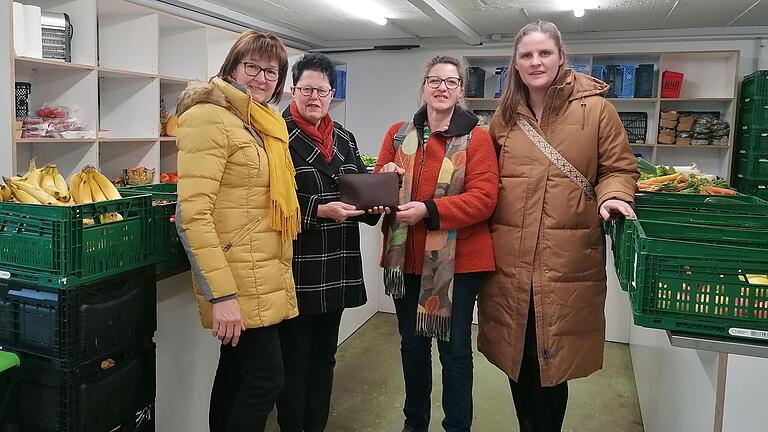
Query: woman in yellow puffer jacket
[[237, 215]]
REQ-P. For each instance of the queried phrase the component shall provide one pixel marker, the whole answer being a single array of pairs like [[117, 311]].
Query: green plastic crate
[[696, 279], [622, 234], [51, 246], [758, 188], [755, 87], [170, 256], [752, 140], [734, 204], [754, 113], [751, 166]]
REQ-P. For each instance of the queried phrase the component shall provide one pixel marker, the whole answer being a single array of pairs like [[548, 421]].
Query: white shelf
[[128, 140], [130, 107], [128, 37], [179, 49], [105, 72], [113, 159], [28, 64], [53, 140]]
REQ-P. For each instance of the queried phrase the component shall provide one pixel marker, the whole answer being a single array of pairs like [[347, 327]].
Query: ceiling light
[[363, 9], [578, 12]]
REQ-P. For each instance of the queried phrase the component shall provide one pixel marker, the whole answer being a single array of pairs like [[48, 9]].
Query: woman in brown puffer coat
[[541, 313]]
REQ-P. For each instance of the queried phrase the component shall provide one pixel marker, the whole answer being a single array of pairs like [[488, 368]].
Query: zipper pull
[[227, 247]]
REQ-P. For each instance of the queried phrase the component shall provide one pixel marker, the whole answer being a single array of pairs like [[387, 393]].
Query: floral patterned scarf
[[433, 315]]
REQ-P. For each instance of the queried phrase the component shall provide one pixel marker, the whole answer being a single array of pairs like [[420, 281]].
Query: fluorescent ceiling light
[[578, 12], [363, 9]]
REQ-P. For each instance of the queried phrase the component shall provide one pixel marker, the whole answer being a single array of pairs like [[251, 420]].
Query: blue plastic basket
[[627, 87], [598, 71]]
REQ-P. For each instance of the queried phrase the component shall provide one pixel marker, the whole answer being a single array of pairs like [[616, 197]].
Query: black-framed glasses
[[253, 70], [307, 91], [451, 83]]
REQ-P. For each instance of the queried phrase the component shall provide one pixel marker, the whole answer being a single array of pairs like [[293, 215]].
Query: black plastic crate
[[636, 125], [475, 87], [71, 326], [23, 89], [644, 81], [112, 392]]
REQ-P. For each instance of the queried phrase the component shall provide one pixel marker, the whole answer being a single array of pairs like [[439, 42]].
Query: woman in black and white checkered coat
[[327, 266]]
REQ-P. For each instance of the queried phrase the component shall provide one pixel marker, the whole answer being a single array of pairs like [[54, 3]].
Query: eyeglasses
[[253, 70], [451, 83], [307, 91]]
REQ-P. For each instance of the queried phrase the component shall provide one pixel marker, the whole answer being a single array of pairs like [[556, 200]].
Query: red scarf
[[322, 136]]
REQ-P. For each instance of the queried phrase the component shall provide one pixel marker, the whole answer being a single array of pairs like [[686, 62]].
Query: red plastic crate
[[671, 84]]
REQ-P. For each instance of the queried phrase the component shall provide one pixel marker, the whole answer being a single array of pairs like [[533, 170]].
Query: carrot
[[719, 191], [682, 179], [642, 186], [659, 180], [680, 187]]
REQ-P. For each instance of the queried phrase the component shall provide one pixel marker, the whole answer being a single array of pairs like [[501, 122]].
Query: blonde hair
[[516, 92], [264, 45], [449, 60]]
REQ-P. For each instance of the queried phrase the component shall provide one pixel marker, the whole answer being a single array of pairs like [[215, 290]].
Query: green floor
[[368, 389]]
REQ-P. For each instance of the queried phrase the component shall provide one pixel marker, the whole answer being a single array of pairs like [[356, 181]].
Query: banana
[[117, 217], [74, 187], [84, 189], [47, 184], [60, 184], [5, 193], [34, 191], [109, 190], [24, 197], [96, 193], [33, 174]]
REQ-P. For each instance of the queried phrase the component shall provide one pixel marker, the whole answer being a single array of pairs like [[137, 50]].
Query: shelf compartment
[[82, 15], [704, 73], [73, 87], [115, 157], [25, 65], [218, 42], [137, 52], [129, 107], [179, 48], [70, 159]]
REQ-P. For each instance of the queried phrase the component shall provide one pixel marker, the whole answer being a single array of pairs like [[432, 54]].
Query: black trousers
[[309, 356], [539, 409], [248, 382]]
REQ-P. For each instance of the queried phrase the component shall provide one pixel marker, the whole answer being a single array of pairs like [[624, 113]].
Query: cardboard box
[[667, 132], [666, 139], [686, 119], [683, 141], [684, 127], [669, 124], [669, 115]]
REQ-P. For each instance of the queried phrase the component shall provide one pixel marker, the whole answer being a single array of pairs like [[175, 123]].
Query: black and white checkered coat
[[327, 266]]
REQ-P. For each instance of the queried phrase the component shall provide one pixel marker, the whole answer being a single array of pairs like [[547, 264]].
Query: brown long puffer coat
[[547, 236]]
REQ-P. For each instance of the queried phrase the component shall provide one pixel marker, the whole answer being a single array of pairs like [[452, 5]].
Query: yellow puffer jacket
[[223, 214]]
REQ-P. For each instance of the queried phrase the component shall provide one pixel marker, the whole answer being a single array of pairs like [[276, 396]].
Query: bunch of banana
[[5, 193], [26, 189], [89, 186]]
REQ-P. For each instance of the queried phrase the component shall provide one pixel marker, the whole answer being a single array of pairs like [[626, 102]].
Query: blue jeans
[[455, 357]]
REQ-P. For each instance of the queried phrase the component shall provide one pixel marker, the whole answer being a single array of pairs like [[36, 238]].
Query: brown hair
[[264, 45], [515, 91], [444, 59]]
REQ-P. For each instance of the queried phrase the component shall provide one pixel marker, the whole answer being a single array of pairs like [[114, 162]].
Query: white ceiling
[[325, 25]]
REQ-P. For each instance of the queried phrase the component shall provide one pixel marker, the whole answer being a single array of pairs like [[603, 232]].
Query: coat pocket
[[241, 234]]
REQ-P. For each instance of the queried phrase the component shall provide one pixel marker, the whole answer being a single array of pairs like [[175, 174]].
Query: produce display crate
[[752, 139], [758, 188], [751, 165], [52, 246], [671, 84], [170, 257], [695, 279], [734, 204], [23, 90], [74, 325], [734, 211], [754, 113], [112, 392], [755, 86]]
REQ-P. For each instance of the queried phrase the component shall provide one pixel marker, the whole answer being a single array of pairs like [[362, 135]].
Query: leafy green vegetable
[[368, 160]]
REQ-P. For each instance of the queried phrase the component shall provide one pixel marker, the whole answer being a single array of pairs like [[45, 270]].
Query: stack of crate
[[78, 305], [750, 158]]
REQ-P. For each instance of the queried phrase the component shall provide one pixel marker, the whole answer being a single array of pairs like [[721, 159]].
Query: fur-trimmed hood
[[198, 92]]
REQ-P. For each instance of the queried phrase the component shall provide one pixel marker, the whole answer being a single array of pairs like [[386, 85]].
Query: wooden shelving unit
[[126, 59], [710, 84]]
